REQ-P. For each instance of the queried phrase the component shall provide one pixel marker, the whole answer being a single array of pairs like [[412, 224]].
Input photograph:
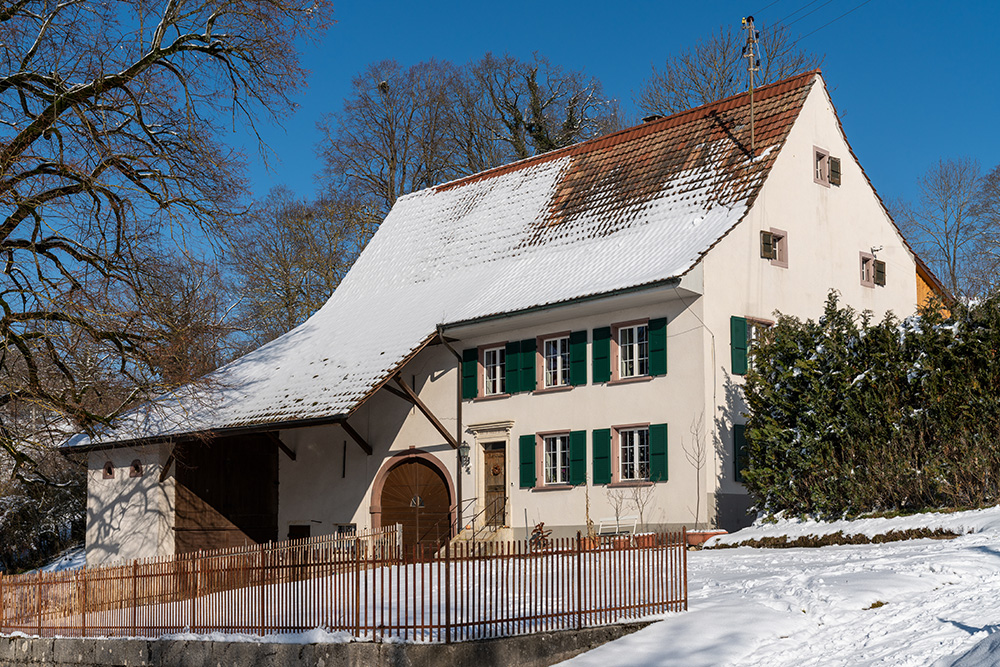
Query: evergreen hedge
[[849, 416]]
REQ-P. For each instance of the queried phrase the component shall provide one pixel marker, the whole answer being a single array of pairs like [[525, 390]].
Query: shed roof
[[634, 208]]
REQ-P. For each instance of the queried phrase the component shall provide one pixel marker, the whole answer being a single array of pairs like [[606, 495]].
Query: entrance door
[[495, 460], [416, 495]]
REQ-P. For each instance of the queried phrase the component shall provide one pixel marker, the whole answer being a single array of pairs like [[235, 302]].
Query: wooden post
[[684, 563], [38, 601], [3, 606], [83, 602], [447, 592], [357, 588], [261, 587], [135, 594], [579, 581]]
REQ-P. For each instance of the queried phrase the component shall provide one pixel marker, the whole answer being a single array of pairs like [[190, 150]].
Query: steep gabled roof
[[634, 208]]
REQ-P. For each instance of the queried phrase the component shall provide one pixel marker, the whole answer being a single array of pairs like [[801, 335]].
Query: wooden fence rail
[[368, 587]]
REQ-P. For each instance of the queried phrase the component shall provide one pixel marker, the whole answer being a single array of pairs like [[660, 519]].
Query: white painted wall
[[827, 228], [129, 517]]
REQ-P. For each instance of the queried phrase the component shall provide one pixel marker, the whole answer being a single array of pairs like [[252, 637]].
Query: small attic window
[[872, 271], [821, 166], [108, 471], [135, 468]]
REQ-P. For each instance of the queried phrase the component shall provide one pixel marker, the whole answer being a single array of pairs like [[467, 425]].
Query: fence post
[[684, 552], [579, 581], [38, 601], [447, 592], [3, 606], [135, 594], [81, 578], [357, 588], [261, 587]]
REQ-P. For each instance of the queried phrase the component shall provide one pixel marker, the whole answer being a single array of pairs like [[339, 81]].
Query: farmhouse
[[558, 340]]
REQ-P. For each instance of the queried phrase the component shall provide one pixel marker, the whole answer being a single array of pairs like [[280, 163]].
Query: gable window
[[633, 454], [774, 246], [633, 351], [108, 470], [821, 166], [556, 459], [872, 270], [135, 469], [557, 362], [494, 371]]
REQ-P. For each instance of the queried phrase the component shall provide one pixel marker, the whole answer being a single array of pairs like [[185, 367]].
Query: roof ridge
[[630, 132]]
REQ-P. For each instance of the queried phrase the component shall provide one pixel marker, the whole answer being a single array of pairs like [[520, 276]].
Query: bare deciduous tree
[[696, 453], [949, 226], [288, 256], [404, 129], [714, 68], [109, 136]]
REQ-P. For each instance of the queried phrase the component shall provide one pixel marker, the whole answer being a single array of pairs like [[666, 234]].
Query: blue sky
[[913, 81]]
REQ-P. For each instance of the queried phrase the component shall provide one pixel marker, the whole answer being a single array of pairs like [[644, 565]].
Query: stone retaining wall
[[538, 650]]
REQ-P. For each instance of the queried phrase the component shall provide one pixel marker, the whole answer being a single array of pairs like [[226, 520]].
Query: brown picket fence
[[367, 587]]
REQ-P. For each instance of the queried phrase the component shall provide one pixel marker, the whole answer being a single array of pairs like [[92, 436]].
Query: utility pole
[[751, 51]]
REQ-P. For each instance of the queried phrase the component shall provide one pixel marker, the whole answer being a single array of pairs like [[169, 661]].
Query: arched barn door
[[416, 495]]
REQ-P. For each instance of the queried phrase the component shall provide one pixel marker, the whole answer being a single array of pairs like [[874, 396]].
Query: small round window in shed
[[135, 469], [109, 470]]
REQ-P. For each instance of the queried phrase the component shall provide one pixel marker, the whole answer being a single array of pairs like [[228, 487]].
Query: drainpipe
[[458, 427]]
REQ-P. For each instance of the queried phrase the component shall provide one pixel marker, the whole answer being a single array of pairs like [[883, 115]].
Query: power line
[[808, 4], [808, 13], [770, 4], [829, 22]]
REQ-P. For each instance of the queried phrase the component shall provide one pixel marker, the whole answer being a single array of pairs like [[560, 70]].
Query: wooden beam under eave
[[356, 437], [276, 439], [165, 471], [396, 392], [449, 438]]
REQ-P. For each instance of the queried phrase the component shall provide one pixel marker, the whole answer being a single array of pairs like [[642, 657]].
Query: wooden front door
[[495, 460], [416, 496]]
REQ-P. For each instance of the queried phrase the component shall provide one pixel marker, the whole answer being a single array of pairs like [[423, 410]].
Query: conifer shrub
[[850, 416]]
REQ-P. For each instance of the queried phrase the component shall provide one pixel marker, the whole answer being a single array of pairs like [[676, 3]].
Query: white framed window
[[556, 448], [555, 354], [633, 351], [494, 370], [872, 270], [821, 166], [633, 454]]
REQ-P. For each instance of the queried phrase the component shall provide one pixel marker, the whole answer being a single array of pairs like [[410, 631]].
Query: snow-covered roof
[[634, 208]]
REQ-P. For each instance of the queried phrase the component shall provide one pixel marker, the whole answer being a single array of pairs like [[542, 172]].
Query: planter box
[[702, 536]]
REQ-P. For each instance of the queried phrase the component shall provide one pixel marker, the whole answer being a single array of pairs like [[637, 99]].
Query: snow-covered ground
[[74, 558], [918, 602]]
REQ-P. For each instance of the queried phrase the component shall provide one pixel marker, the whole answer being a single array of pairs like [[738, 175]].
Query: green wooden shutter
[[738, 343], [578, 358], [601, 348], [527, 461], [526, 366], [658, 346], [879, 272], [578, 458], [835, 171], [601, 445], [658, 452], [470, 373], [739, 450], [767, 250], [511, 369]]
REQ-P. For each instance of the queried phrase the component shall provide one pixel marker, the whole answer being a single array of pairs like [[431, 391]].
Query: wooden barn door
[[416, 495]]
